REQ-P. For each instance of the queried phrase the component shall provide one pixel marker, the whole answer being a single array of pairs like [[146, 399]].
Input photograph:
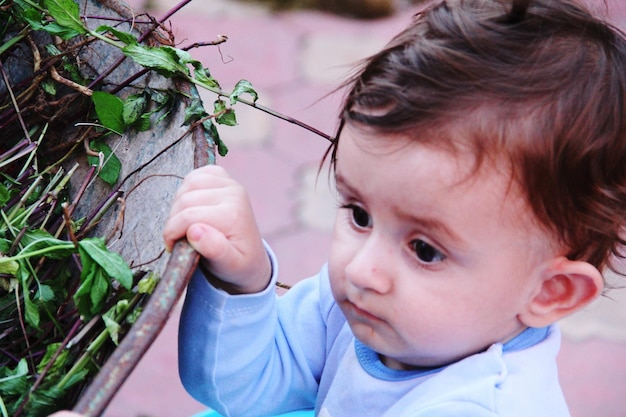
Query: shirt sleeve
[[253, 354], [454, 409]]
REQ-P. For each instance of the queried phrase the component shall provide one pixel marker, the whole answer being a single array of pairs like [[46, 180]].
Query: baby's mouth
[[360, 313]]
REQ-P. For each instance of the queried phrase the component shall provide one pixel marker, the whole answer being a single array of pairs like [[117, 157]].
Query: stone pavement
[[294, 60]]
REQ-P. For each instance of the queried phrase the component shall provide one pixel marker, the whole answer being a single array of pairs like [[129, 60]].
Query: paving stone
[[340, 54], [604, 319], [316, 201]]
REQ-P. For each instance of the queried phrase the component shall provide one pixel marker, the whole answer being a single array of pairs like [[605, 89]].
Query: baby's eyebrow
[[437, 227], [427, 223], [342, 187]]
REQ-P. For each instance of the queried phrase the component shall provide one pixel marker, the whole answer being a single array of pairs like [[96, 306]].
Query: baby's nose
[[369, 269]]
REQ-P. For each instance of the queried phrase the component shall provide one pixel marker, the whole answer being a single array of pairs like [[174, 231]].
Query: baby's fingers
[[179, 221], [208, 241]]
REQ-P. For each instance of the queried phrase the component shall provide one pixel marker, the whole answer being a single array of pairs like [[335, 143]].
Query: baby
[[480, 165]]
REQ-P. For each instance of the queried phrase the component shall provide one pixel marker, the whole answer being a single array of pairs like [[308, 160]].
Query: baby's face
[[430, 263]]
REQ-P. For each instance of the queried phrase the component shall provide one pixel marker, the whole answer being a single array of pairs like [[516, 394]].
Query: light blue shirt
[[259, 355]]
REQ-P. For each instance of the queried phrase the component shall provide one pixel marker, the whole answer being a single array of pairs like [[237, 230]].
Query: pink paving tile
[[314, 104], [593, 377], [267, 178], [255, 50], [300, 253]]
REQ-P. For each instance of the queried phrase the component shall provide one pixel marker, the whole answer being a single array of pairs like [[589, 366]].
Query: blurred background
[[296, 53]]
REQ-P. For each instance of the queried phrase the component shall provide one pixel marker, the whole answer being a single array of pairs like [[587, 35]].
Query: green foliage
[[66, 298], [35, 270], [134, 107], [109, 165], [14, 381], [100, 267], [223, 114], [165, 60], [127, 38], [66, 14], [109, 109], [242, 87], [195, 113], [118, 115]]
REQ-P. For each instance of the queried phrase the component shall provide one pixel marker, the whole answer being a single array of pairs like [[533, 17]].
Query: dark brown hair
[[540, 84]]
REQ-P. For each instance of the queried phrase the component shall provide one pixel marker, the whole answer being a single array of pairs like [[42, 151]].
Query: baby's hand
[[213, 211]]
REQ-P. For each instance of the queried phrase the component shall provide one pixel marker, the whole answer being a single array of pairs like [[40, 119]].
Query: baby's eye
[[360, 217], [426, 252]]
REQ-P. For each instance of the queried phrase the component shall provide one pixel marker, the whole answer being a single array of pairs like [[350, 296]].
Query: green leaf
[[38, 240], [5, 245], [53, 50], [125, 37], [59, 362], [165, 104], [14, 381], [110, 171], [37, 21], [111, 325], [210, 128], [75, 378], [9, 43], [163, 98], [99, 267], [133, 315], [112, 263], [143, 124], [9, 268], [203, 76], [5, 195], [43, 402], [93, 291], [31, 311], [243, 87], [73, 71], [66, 14], [134, 107], [64, 33], [49, 87], [82, 297], [45, 293], [109, 109], [194, 112], [147, 284], [99, 290], [224, 115], [165, 60]]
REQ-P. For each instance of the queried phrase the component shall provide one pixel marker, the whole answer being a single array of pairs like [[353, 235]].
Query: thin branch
[[71, 84]]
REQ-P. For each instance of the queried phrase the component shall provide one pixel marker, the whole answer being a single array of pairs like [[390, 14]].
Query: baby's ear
[[565, 287]]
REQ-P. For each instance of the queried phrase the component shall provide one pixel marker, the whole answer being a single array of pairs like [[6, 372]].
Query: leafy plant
[[66, 300], [63, 302]]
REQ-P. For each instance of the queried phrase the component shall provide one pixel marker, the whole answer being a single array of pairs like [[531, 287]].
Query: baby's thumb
[[208, 241]]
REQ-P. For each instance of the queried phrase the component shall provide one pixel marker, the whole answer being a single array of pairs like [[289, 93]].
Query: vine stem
[[287, 119], [191, 79], [267, 110], [141, 37], [34, 253]]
